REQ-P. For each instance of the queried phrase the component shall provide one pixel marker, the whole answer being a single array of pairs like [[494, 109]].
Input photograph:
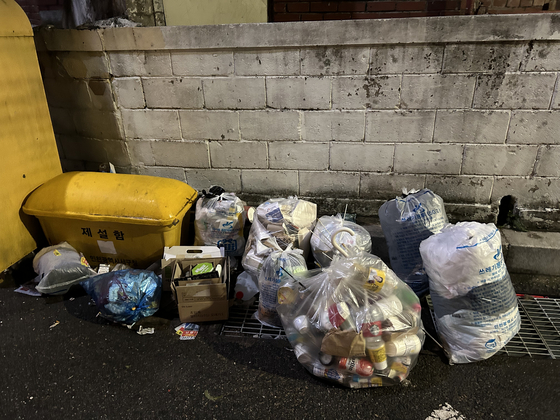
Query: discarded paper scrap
[[187, 331]]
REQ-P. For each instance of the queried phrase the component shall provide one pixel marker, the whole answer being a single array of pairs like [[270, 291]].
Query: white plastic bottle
[[404, 345], [375, 346]]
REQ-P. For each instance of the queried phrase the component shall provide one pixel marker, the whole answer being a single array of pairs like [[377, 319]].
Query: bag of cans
[[354, 323], [406, 221], [321, 244], [474, 300], [278, 223], [219, 221]]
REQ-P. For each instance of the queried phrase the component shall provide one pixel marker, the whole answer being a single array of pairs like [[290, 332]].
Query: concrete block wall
[[345, 113]]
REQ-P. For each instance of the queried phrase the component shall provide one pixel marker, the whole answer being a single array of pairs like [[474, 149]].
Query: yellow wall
[[214, 12]]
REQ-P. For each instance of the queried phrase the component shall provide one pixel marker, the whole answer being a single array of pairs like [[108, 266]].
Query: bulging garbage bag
[[59, 267], [321, 244], [406, 221], [125, 296], [473, 298], [355, 322], [219, 221], [278, 223], [277, 266]]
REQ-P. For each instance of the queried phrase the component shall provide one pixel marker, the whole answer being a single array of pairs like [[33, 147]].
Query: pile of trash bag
[[406, 221], [354, 323], [125, 296], [321, 244], [219, 221], [474, 302]]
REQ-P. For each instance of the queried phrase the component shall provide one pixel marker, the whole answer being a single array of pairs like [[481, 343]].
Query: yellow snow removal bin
[[113, 218]]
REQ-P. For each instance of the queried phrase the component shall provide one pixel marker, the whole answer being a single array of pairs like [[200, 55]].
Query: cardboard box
[[171, 254], [201, 300]]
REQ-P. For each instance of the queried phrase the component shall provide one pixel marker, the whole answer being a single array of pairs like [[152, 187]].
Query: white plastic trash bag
[[473, 298], [59, 267], [321, 244], [276, 268], [219, 221], [406, 221]]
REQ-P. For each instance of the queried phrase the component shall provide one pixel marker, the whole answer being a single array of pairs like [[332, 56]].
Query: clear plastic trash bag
[[354, 323], [219, 221], [474, 301], [406, 221], [321, 244], [125, 296]]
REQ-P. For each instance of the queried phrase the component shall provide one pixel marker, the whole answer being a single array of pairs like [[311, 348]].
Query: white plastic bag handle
[[336, 244]]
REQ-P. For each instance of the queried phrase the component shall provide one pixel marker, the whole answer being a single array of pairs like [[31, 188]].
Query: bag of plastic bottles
[[355, 322], [321, 244], [406, 221], [474, 301], [59, 267], [125, 296], [277, 266], [278, 223], [219, 220]]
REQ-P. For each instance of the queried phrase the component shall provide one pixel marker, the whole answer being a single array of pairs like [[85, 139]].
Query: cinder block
[[269, 125], [163, 172], [252, 155], [544, 56], [71, 40], [428, 158], [437, 91], [483, 57], [534, 127], [62, 121], [499, 160], [400, 126], [471, 126], [66, 93], [83, 148], [329, 184], [84, 65], [361, 157], [139, 63], [151, 124], [117, 153], [549, 162], [267, 63], [234, 93], [98, 124], [289, 155], [129, 92], [270, 182], [334, 61], [333, 125], [202, 63], [514, 91], [140, 152], [376, 92], [99, 95], [174, 92], [396, 59], [461, 189], [531, 192], [209, 125], [228, 179], [181, 154], [298, 92], [388, 186]]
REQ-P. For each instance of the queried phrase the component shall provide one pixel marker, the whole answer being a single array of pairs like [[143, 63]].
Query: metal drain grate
[[539, 335], [242, 324]]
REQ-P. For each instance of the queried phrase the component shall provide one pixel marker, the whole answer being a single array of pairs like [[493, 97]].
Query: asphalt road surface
[[85, 368]]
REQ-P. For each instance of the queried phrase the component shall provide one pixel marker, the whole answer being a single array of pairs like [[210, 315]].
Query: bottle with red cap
[[361, 366], [340, 316]]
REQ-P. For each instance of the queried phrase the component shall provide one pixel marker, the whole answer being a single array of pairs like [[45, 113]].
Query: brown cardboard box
[[171, 254], [201, 300]]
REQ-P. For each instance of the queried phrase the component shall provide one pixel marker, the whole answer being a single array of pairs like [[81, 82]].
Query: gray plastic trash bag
[[474, 301], [125, 296], [59, 267], [407, 221]]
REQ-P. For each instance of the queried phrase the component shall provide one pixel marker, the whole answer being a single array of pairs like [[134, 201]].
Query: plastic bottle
[[404, 345], [369, 382], [361, 366], [375, 346], [340, 316], [326, 359], [301, 323], [303, 355], [390, 306], [332, 374]]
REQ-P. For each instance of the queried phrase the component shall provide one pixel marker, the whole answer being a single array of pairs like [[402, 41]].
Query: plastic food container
[[113, 218]]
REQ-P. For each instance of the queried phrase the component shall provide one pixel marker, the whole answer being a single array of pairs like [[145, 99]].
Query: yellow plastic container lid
[[106, 197]]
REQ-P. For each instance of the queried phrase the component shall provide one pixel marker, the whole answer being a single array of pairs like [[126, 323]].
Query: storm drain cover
[[539, 335]]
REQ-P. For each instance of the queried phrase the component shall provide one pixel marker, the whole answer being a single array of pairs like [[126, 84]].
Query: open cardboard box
[[171, 254], [201, 300]]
